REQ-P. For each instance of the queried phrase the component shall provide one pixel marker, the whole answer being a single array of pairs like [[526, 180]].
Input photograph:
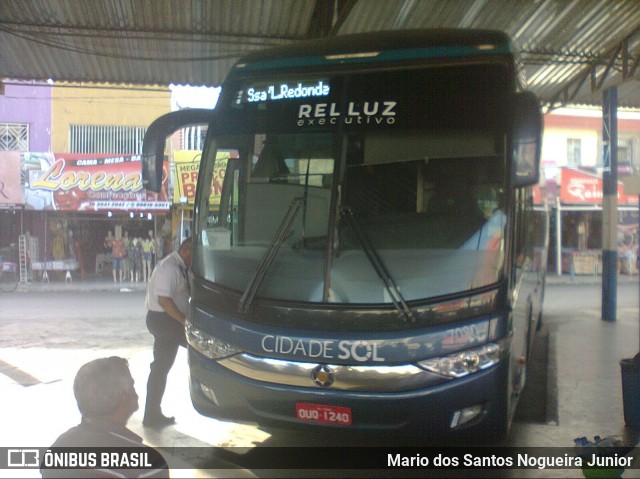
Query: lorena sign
[[89, 183]]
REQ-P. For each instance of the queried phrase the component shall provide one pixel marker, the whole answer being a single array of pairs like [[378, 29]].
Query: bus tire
[[539, 323], [540, 306]]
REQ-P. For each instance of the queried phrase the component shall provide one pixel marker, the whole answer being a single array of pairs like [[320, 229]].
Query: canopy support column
[[609, 203]]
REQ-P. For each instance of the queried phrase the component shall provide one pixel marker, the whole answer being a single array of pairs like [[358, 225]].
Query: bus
[[364, 258]]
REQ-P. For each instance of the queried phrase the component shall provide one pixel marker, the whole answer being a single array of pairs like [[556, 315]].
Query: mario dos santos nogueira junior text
[[516, 460]]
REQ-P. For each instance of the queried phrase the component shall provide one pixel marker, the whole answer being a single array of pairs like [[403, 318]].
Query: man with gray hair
[[106, 397]]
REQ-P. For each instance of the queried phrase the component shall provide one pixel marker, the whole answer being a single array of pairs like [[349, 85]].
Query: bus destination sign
[[276, 91]]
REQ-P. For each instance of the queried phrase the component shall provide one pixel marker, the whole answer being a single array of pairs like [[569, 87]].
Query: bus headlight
[[464, 362], [208, 345]]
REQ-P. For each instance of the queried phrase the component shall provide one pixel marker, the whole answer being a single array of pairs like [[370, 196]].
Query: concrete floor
[[584, 357]]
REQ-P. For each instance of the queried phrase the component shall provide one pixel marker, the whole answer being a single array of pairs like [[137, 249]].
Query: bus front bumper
[[452, 408]]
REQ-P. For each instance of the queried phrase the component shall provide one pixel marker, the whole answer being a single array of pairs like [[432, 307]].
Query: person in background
[[167, 303], [118, 253], [126, 262], [79, 249], [108, 243], [135, 258], [156, 249], [147, 256], [106, 397], [108, 248]]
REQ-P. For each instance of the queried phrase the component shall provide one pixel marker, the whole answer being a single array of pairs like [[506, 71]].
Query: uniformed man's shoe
[[158, 421]]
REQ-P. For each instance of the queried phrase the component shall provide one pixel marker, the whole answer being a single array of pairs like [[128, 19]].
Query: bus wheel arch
[[500, 412]]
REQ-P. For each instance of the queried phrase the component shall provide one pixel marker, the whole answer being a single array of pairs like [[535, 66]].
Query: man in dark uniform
[[167, 304], [104, 390]]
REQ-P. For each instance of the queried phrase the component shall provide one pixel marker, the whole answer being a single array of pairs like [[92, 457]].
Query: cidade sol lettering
[[360, 351], [367, 113]]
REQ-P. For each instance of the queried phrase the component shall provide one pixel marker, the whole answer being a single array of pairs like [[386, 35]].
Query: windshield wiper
[[270, 254], [377, 263]]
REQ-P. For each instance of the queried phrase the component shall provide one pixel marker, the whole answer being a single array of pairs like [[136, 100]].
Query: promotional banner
[[581, 187], [187, 163], [11, 194], [77, 182]]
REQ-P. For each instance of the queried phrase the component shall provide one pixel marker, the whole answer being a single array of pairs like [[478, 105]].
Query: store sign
[[76, 182], [187, 164], [581, 187], [11, 194]]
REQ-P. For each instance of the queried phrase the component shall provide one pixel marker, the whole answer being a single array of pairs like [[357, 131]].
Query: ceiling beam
[[620, 59], [95, 31], [328, 16]]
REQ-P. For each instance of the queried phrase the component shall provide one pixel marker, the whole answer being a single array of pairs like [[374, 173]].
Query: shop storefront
[[68, 204], [11, 205], [578, 223]]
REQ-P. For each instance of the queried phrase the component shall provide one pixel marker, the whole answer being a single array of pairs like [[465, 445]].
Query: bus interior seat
[[454, 200], [271, 164]]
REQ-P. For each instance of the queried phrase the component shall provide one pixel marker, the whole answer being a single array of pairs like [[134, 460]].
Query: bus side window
[[523, 227]]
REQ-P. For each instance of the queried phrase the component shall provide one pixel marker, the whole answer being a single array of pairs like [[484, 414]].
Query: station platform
[[582, 379]]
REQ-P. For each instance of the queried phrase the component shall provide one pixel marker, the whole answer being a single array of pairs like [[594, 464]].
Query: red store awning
[[578, 187]]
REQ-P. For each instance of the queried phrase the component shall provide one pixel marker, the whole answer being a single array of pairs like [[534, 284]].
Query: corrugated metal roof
[[571, 49]]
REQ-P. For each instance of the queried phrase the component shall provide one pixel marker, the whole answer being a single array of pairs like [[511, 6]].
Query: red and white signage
[[581, 187], [75, 182]]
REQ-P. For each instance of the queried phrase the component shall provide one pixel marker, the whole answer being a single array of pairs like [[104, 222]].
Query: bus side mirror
[[156, 137], [526, 140]]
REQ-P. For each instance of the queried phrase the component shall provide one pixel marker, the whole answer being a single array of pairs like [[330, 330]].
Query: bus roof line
[[372, 56]]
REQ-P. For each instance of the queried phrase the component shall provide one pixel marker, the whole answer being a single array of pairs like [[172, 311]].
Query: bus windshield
[[333, 212]]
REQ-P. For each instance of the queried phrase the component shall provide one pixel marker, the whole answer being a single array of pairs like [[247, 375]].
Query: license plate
[[323, 413]]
